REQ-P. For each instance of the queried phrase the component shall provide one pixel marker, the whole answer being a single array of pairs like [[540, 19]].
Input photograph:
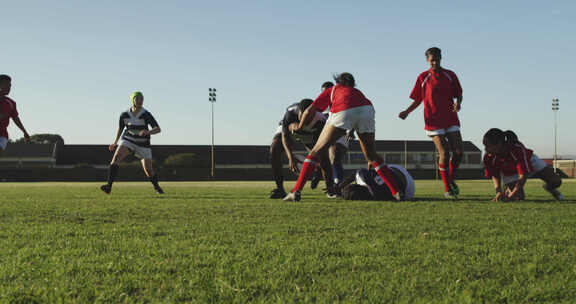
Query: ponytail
[[497, 136], [510, 137]]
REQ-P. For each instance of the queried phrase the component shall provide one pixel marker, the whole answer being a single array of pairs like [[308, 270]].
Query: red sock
[[445, 177], [386, 176], [308, 168], [452, 169]]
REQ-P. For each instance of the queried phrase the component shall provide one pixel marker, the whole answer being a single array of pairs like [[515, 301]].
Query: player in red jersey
[[509, 162], [438, 88], [349, 110], [8, 111]]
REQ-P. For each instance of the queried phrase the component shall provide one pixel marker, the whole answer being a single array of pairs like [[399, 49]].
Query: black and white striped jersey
[[133, 124]]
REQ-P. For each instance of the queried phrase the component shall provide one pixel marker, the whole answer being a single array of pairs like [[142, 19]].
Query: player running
[[438, 88], [509, 162], [349, 110], [366, 185], [284, 139], [133, 128], [8, 111], [336, 151]]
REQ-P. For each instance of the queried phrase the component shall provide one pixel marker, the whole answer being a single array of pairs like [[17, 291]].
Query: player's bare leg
[[553, 182], [457, 153], [443, 147], [337, 153], [151, 174], [119, 155], [276, 150], [328, 136], [368, 145]]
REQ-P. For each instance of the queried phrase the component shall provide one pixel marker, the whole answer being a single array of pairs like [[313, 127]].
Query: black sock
[[154, 181], [279, 182], [112, 172]]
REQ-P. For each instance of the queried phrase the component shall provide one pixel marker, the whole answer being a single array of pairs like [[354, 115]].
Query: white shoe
[[292, 197], [397, 196], [450, 195]]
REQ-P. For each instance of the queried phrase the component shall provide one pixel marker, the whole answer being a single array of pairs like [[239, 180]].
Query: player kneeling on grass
[[8, 111], [135, 140], [367, 185], [507, 161], [349, 110]]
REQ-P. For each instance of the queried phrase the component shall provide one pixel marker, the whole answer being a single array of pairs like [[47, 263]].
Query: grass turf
[[226, 242]]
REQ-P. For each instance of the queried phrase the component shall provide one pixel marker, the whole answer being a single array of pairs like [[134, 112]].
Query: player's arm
[[457, 89], [288, 143], [121, 127], [151, 121], [410, 108], [498, 187], [518, 188], [306, 117], [20, 125], [458, 104]]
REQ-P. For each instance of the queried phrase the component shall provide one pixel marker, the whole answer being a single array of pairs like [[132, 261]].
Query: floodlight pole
[[555, 108], [212, 100]]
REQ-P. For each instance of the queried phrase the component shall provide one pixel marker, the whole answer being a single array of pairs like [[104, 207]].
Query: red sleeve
[[523, 165], [416, 94], [489, 170], [456, 87], [323, 101], [14, 112]]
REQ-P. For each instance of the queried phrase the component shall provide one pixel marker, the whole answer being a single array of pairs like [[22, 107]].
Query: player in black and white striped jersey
[[133, 137]]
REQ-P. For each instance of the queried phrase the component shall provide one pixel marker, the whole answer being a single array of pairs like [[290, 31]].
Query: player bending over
[[284, 141], [349, 110], [509, 162], [133, 128], [367, 185], [7, 111], [438, 88]]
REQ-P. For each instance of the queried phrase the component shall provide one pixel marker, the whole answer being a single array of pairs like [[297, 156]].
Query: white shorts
[[537, 166], [140, 152], [360, 119], [3, 143], [451, 129]]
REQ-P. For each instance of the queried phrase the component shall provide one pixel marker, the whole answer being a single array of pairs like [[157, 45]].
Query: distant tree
[[44, 139], [182, 160]]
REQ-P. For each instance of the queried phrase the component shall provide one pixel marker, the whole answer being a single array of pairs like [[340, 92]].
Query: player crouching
[[133, 127], [509, 162]]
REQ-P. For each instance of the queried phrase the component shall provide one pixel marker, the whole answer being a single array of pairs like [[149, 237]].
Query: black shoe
[[277, 193], [316, 178], [454, 188], [159, 190], [106, 188]]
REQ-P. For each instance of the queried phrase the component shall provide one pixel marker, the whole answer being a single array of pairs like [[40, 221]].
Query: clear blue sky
[[75, 63]]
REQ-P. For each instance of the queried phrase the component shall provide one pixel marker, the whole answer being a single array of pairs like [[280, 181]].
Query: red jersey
[[516, 160], [437, 90], [340, 98], [8, 110]]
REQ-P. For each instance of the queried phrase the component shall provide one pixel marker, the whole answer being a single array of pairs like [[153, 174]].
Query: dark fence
[[131, 173]]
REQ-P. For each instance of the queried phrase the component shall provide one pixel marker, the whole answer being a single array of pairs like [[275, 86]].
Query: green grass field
[[226, 242]]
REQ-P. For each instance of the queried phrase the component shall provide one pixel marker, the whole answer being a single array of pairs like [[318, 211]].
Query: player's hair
[[304, 104], [4, 78], [356, 192], [433, 51], [327, 84], [134, 95], [345, 79], [497, 136]]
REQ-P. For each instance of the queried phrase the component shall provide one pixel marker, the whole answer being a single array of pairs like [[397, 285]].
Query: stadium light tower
[[212, 100], [555, 108]]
